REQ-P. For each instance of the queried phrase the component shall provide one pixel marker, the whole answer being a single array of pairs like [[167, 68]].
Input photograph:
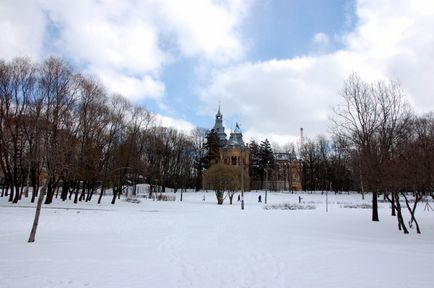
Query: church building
[[286, 174], [233, 151]]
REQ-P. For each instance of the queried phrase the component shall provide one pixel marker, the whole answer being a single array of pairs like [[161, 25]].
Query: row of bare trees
[[326, 165], [63, 125]]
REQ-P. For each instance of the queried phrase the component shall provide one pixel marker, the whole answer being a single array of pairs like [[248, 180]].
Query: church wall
[[238, 157]]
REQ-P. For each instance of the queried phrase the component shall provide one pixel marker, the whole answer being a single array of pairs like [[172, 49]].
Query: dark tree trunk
[[90, 192], [412, 210], [73, 190], [50, 191], [375, 206], [401, 224], [34, 192], [83, 192], [393, 204], [116, 193], [17, 193], [65, 189], [11, 194], [76, 193], [102, 193], [3, 188]]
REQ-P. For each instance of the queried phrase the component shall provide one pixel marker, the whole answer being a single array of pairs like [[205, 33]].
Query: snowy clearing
[[197, 243]]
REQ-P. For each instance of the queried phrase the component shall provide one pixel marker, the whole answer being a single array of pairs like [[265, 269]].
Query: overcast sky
[[274, 66]]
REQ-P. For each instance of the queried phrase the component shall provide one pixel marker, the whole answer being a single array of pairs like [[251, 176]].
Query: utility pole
[[266, 183], [242, 186], [327, 199]]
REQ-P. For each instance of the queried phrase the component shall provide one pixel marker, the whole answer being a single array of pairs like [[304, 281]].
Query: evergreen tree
[[212, 149], [266, 159], [254, 152]]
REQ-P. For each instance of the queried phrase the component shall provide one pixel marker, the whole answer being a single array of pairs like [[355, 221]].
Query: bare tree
[[116, 110], [372, 119], [59, 87], [357, 121], [17, 85]]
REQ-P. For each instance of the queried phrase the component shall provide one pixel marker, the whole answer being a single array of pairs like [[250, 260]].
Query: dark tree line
[[60, 124], [325, 165]]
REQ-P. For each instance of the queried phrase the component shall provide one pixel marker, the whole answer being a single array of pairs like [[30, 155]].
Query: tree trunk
[[17, 194], [50, 191], [65, 188], [76, 193], [90, 192], [401, 224], [11, 194], [393, 204], [375, 206], [83, 192], [102, 193], [34, 192], [219, 195], [38, 212], [115, 193], [412, 211]]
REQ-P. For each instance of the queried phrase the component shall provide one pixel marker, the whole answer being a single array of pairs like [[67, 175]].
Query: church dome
[[236, 138]]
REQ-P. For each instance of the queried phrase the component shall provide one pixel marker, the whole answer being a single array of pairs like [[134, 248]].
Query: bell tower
[[220, 129]]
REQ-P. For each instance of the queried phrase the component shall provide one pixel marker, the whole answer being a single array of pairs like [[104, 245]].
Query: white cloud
[[22, 26], [178, 124], [321, 39], [130, 42], [134, 88], [396, 37], [280, 96], [205, 27], [275, 98]]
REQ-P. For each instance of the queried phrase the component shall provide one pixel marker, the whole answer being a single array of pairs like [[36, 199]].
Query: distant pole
[[266, 184], [327, 199], [242, 187]]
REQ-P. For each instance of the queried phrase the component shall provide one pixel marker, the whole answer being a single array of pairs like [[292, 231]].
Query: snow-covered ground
[[197, 243]]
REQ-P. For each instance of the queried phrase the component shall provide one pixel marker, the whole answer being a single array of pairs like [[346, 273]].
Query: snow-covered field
[[197, 243]]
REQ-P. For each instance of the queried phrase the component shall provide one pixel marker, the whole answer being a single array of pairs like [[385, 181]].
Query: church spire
[[219, 115], [219, 128]]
